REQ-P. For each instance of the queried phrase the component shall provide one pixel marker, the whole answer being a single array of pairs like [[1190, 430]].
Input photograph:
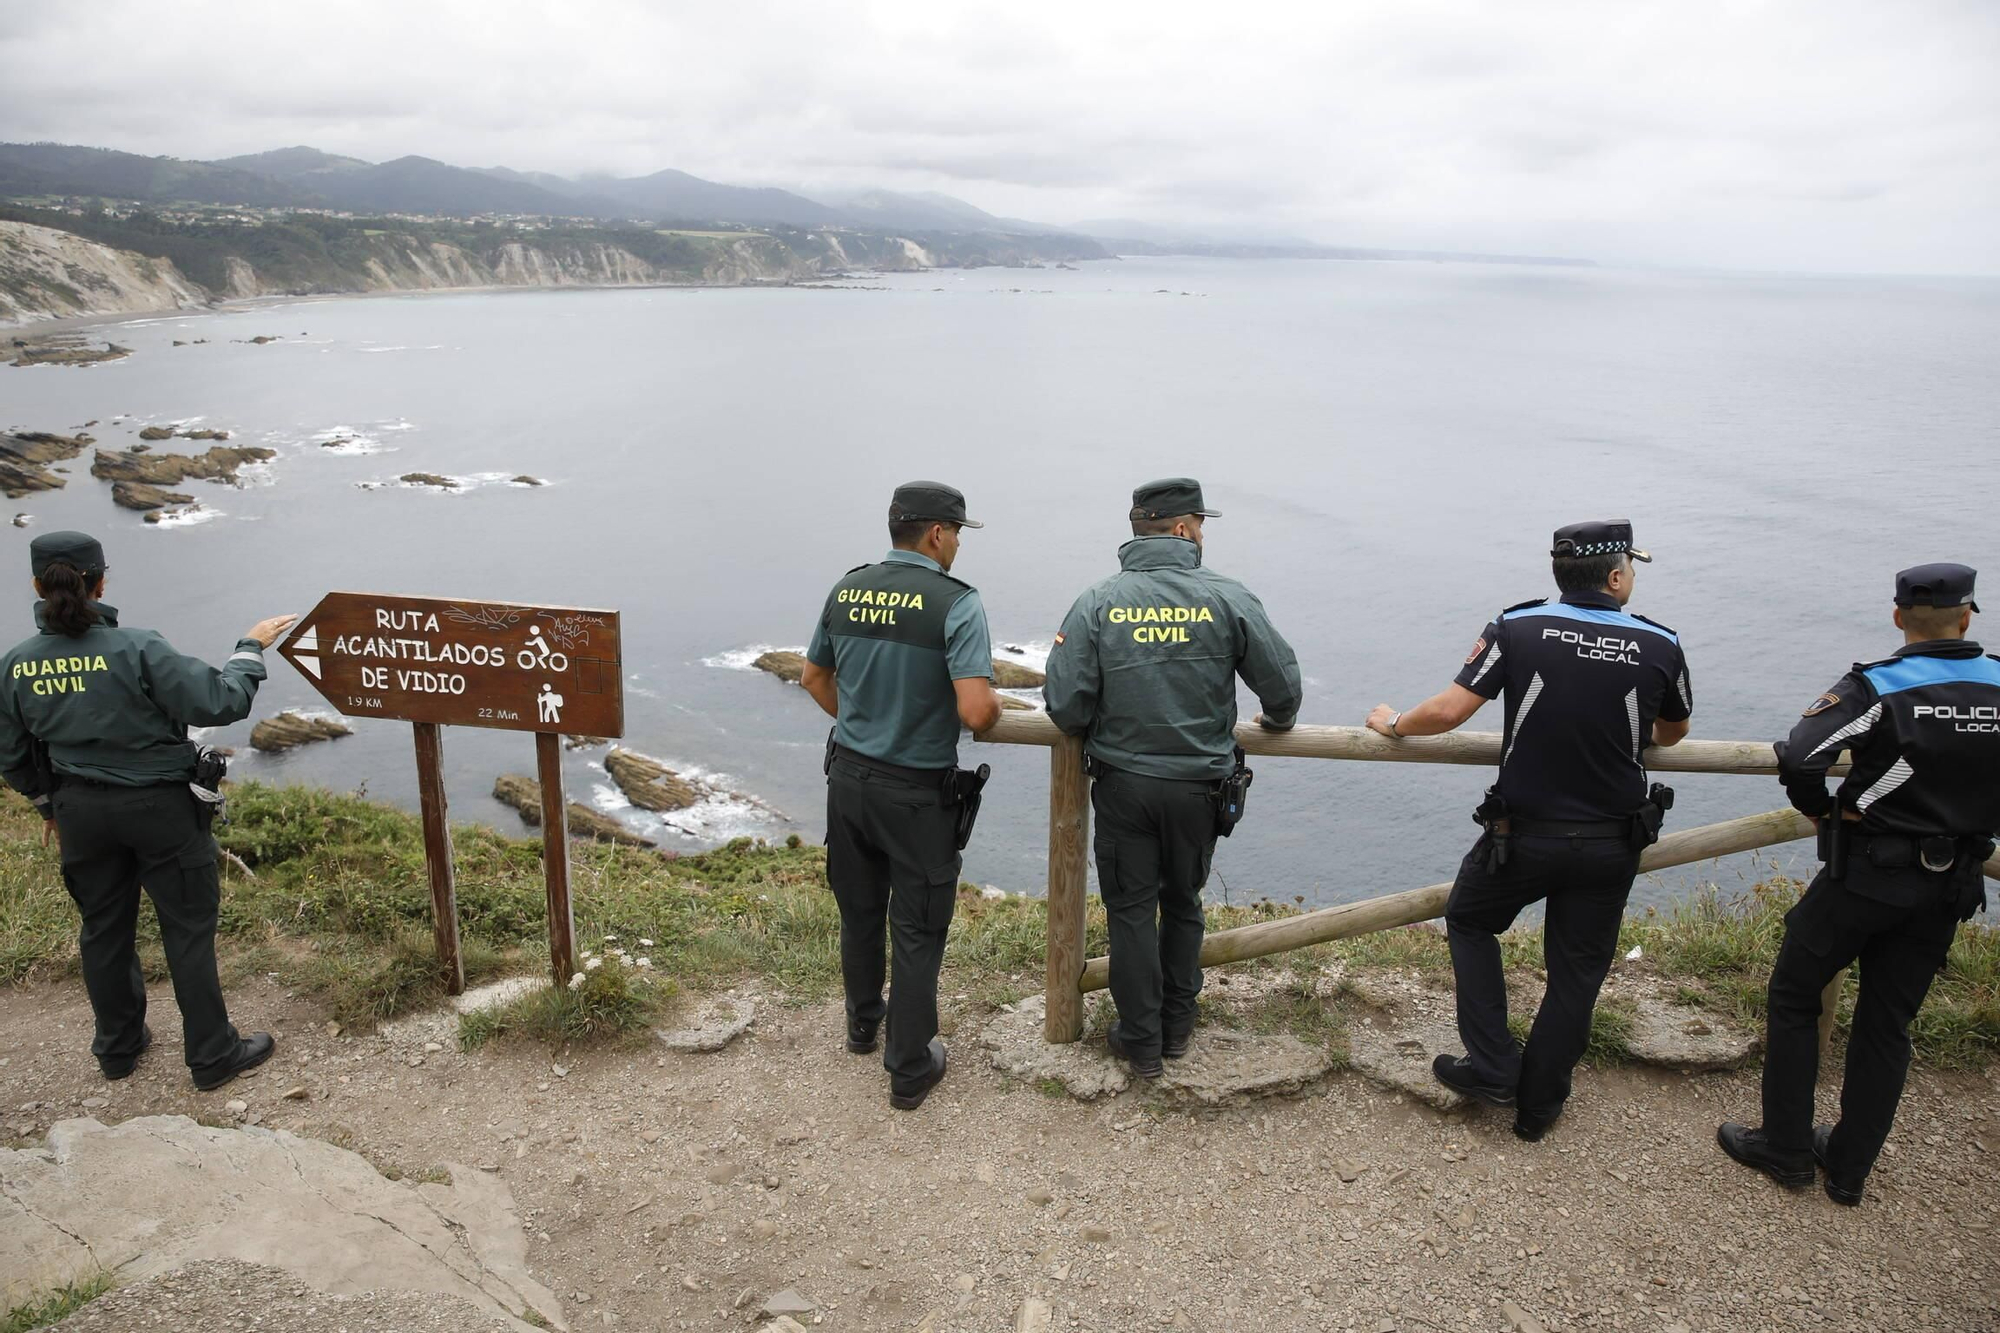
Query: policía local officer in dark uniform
[[93, 730], [1903, 841], [901, 659], [1588, 687], [1145, 670]]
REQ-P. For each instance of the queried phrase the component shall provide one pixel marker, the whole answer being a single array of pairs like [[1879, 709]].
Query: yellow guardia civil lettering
[[1160, 624], [59, 675], [874, 597]]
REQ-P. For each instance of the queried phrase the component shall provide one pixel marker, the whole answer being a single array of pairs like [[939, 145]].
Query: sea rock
[[264, 338], [584, 742], [289, 730], [138, 495], [784, 665], [25, 457], [524, 795], [649, 784], [220, 463], [157, 433], [64, 349], [1014, 676], [525, 480], [428, 479], [162, 515], [159, 1192], [23, 520]]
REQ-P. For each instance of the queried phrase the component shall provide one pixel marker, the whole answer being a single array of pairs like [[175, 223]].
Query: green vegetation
[[340, 906], [56, 1305]]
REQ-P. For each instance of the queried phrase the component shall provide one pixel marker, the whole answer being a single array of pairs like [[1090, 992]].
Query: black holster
[[211, 766], [1491, 815], [826, 764], [1232, 796], [962, 787], [1652, 816], [1972, 881], [1833, 843]]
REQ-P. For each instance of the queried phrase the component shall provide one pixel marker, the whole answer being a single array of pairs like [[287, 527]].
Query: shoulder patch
[[1650, 621], [1059, 638], [1821, 704], [1523, 606], [1478, 647]]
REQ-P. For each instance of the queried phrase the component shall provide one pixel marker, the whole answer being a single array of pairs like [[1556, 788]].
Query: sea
[[1390, 444]]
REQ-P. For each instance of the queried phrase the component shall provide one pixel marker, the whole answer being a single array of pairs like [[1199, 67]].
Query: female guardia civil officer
[[93, 730]]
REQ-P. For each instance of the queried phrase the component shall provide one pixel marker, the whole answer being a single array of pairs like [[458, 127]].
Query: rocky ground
[[670, 1190]]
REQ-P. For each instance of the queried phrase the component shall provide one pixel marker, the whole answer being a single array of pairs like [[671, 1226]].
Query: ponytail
[[67, 594]]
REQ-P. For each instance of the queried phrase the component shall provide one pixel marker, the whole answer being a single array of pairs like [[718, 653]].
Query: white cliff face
[[48, 274]]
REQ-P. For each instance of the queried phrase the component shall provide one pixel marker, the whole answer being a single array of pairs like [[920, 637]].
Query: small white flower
[[593, 964], [576, 981], [611, 939], [645, 943], [644, 962]]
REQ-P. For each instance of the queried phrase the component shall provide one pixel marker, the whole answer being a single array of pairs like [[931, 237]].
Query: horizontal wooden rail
[[1747, 758], [1414, 905]]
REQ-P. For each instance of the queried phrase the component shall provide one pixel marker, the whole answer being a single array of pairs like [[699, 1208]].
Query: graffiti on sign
[[464, 664]]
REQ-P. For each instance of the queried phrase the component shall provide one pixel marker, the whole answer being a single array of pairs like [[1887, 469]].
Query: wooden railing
[[1070, 974]]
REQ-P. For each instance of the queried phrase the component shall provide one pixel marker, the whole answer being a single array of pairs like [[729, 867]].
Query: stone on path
[[1685, 1037], [159, 1192], [789, 1302], [1014, 1037], [1034, 1316], [716, 1024]]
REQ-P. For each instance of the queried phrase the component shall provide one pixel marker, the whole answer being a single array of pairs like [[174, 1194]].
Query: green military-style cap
[[930, 502], [71, 548], [1170, 497]]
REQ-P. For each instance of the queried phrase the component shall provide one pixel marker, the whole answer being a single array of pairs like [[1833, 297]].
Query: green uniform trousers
[[892, 861], [1155, 839], [114, 840]]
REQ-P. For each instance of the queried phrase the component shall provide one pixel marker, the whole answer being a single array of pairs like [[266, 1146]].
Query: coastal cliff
[[103, 266]]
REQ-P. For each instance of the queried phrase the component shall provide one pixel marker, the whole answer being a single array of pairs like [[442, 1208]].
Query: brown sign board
[[457, 663]]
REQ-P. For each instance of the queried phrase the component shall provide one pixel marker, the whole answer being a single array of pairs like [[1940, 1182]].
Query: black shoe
[[1530, 1128], [1793, 1170], [1455, 1072], [1846, 1192], [863, 1038], [910, 1098], [1142, 1065], [252, 1051], [117, 1069], [1174, 1045]]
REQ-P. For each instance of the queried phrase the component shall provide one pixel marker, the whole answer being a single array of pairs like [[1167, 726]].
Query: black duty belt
[[1935, 852], [1620, 829], [916, 777]]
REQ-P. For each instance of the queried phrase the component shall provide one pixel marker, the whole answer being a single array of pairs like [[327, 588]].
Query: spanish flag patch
[[1059, 638]]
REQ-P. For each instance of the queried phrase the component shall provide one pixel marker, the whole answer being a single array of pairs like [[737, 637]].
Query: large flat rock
[[157, 1193]]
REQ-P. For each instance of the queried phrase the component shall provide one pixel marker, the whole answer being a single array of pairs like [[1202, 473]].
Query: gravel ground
[[677, 1191], [215, 1296]]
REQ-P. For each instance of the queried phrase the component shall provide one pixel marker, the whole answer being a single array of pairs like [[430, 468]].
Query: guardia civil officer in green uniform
[[94, 730], [901, 658], [1145, 671]]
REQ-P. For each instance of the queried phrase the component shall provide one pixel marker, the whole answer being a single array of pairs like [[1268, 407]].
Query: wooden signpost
[[436, 662]]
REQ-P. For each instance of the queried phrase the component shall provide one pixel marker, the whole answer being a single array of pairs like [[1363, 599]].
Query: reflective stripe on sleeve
[[246, 656]]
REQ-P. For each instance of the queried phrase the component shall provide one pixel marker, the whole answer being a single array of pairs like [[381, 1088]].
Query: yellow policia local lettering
[[58, 675], [870, 606], [1160, 624]]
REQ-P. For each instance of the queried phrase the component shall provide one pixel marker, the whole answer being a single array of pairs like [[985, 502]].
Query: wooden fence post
[[555, 856], [437, 855], [1069, 878]]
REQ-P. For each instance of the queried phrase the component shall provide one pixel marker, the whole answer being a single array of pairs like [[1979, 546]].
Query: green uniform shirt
[[896, 635], [114, 705], [1145, 666]]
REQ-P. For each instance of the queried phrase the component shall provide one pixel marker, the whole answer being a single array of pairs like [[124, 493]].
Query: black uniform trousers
[[114, 840], [1900, 949], [892, 861], [1155, 839], [1586, 882]]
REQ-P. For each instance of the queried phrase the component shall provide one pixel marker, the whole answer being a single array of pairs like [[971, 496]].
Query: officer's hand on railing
[[1268, 725], [268, 632], [1382, 719]]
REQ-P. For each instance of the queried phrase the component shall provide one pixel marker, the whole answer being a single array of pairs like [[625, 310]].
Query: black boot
[[1174, 1045], [252, 1051], [863, 1038], [1455, 1072], [1793, 1170], [1145, 1066], [908, 1097], [1845, 1190], [117, 1069]]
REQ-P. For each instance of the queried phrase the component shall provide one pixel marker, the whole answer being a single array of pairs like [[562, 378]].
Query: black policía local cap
[[73, 548], [1611, 536], [1170, 497], [1936, 585], [929, 501]]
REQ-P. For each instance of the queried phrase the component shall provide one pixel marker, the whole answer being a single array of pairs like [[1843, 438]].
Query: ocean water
[[1390, 444]]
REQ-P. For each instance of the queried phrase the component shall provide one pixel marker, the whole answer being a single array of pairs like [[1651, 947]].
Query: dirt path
[[679, 1191]]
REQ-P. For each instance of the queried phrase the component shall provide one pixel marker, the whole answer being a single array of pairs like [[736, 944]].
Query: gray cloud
[[1840, 134]]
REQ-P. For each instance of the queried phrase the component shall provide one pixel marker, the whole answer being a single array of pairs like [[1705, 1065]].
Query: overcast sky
[[1848, 135]]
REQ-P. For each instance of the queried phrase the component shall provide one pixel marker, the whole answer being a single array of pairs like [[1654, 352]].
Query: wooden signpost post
[[436, 662]]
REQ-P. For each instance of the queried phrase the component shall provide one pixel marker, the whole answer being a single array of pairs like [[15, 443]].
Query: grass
[[340, 907], [56, 1306]]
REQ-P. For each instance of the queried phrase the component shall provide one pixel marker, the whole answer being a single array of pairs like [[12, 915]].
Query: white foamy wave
[[721, 813], [258, 474], [428, 347], [1028, 652], [193, 516], [460, 485], [400, 423], [745, 659]]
